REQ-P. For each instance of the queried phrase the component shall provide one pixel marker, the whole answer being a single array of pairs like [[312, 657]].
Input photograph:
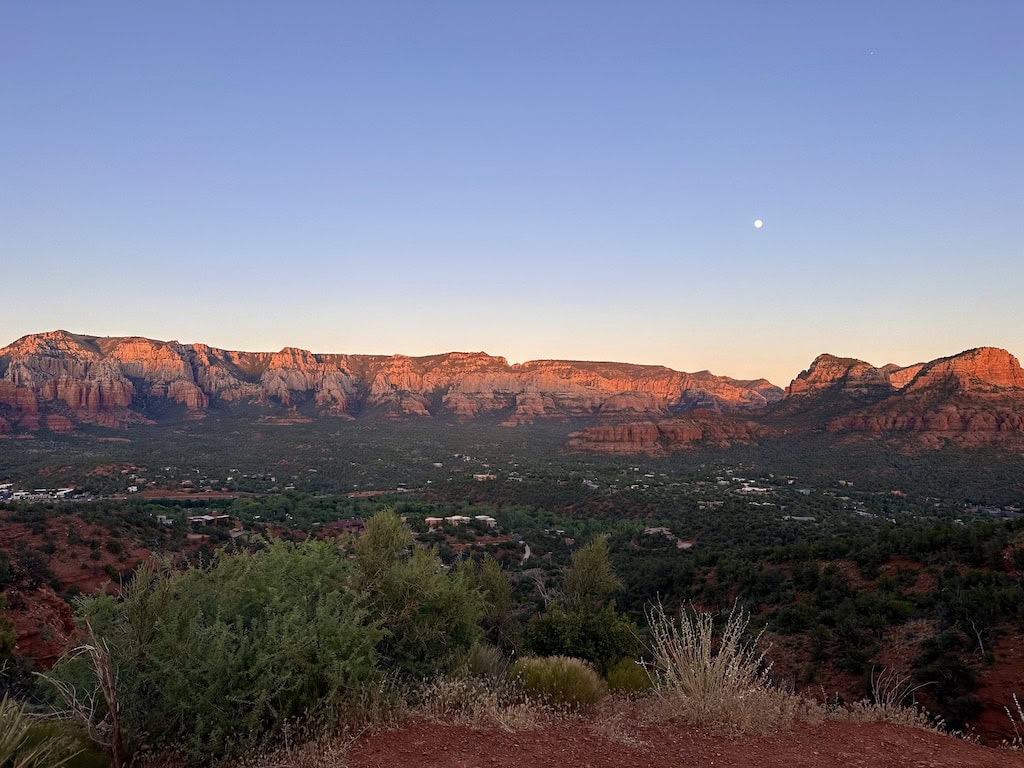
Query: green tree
[[430, 617], [586, 626], [590, 579], [499, 621]]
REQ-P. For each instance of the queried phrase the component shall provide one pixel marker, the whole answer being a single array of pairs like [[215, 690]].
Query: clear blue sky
[[532, 179]]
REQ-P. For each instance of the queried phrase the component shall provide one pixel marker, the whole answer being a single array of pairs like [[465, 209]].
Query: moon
[[758, 223]]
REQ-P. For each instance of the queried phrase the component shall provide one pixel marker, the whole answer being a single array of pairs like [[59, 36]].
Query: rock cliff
[[970, 398], [658, 438], [60, 380]]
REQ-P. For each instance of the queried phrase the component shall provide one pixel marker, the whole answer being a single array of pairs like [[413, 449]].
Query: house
[[487, 520], [456, 519], [433, 522], [483, 476], [355, 526], [209, 519]]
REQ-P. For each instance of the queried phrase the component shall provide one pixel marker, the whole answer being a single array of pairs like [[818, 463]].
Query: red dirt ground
[[666, 745]]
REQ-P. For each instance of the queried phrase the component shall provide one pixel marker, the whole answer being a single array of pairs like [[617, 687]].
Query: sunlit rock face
[[118, 381]]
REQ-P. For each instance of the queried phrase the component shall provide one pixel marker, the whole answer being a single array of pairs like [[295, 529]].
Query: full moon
[[758, 223]]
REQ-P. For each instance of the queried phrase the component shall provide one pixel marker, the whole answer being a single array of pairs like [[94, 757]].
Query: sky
[[533, 179]]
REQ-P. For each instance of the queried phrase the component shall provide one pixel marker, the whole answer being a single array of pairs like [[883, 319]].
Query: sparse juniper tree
[[585, 624], [430, 617]]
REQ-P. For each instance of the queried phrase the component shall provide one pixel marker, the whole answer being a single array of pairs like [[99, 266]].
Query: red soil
[[668, 745]]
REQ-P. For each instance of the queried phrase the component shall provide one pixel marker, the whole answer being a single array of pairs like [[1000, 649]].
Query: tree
[[586, 625], [499, 621], [430, 617], [590, 579]]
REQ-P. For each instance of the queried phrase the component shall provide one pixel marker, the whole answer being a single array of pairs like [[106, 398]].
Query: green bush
[[430, 616], [628, 676], [215, 661], [487, 662], [598, 635], [559, 680]]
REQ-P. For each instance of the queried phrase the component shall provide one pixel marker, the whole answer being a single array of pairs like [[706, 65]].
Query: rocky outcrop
[[658, 438], [829, 372], [118, 381], [20, 404], [972, 398], [982, 369]]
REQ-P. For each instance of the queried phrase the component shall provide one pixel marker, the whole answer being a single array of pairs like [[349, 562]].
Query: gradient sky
[[531, 178]]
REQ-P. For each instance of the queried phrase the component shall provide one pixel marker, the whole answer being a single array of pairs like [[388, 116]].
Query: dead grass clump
[[1017, 722], [716, 682], [892, 700], [478, 702]]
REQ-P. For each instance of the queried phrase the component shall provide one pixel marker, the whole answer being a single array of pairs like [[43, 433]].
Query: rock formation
[[971, 398], [657, 438], [71, 379]]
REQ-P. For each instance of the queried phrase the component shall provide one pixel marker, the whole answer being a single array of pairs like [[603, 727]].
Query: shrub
[[215, 661], [487, 662], [430, 617], [560, 681], [597, 635], [709, 683], [628, 676]]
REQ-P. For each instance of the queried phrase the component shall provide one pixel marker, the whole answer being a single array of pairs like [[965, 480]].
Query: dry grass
[[892, 700], [1017, 722], [325, 751], [21, 746], [478, 702], [719, 682]]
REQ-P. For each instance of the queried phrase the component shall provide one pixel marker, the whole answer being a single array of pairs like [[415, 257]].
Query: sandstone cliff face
[[971, 398], [830, 372], [113, 381], [658, 438]]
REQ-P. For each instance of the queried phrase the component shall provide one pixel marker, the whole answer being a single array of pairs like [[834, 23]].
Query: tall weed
[[714, 681]]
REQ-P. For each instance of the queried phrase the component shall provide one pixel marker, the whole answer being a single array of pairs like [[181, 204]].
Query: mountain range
[[60, 381]]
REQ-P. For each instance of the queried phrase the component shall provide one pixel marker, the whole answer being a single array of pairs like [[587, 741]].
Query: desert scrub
[[478, 702], [714, 681], [215, 661], [560, 681], [628, 676], [26, 743], [891, 700]]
